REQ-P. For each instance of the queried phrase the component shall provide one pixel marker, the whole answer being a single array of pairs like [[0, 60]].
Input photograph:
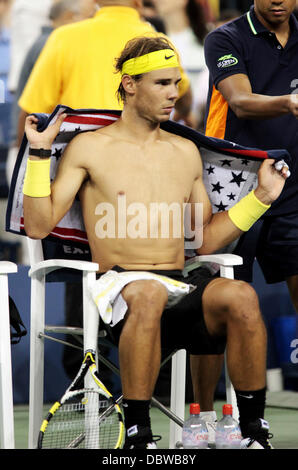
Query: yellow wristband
[[37, 181], [247, 211]]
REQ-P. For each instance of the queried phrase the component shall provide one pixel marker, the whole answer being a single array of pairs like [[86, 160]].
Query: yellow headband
[[162, 59]]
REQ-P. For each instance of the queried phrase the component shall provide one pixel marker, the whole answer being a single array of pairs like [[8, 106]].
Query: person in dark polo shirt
[[253, 101]]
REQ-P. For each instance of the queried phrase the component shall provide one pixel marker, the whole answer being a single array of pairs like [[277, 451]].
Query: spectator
[[76, 65]]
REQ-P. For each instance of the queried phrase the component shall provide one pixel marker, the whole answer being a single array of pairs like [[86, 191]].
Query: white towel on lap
[[106, 292]]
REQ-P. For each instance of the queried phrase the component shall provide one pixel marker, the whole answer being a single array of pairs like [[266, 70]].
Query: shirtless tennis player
[[135, 159]]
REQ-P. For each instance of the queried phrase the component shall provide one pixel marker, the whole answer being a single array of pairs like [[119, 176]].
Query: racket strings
[[78, 423]]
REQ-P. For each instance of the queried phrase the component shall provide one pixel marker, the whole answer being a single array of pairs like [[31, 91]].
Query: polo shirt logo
[[226, 61]]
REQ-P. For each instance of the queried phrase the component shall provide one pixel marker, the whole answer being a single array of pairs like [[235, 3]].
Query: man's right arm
[[236, 90], [44, 203]]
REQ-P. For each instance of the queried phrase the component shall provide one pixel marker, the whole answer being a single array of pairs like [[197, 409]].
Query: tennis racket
[[87, 416]]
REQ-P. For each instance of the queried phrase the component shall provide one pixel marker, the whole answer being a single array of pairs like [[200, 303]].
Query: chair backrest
[[229, 173]]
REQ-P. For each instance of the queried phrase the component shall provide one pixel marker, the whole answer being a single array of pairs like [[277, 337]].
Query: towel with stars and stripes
[[229, 169]]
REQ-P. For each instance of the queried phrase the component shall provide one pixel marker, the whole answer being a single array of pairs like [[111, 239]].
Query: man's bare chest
[[143, 176]]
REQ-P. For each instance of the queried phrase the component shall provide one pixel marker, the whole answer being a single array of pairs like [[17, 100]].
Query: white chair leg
[[177, 395], [90, 309], [91, 324], [36, 383], [90, 320], [6, 390]]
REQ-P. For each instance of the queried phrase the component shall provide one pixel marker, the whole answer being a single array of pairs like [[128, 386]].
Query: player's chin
[[164, 115]]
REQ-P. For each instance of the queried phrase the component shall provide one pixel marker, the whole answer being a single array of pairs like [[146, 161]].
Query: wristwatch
[[41, 153]]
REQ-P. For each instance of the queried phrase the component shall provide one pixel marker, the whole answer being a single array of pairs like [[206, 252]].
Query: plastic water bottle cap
[[227, 410], [194, 409]]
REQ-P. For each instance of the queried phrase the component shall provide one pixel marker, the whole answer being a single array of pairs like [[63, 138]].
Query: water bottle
[[228, 434], [194, 433]]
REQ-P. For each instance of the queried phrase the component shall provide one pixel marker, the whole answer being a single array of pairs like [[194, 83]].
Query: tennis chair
[[40, 269], [6, 390]]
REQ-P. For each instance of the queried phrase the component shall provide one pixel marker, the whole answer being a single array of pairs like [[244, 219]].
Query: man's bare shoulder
[[87, 147], [184, 144], [80, 149], [88, 140]]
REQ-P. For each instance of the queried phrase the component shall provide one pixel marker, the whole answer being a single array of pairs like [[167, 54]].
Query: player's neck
[[140, 129]]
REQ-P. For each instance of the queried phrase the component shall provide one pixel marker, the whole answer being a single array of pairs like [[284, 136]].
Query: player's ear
[[129, 84]]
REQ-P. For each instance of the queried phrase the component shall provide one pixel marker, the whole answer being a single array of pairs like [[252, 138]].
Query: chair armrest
[[7, 267], [47, 266], [224, 259]]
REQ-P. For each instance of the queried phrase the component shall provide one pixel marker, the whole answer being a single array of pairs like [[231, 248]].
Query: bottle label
[[230, 439], [194, 437]]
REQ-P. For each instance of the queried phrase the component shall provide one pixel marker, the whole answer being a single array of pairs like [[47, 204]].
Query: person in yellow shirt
[[76, 66]]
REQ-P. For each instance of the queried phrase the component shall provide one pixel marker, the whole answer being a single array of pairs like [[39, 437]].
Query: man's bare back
[[132, 199]]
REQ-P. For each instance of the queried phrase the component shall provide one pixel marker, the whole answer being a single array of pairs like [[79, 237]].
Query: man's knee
[[233, 301], [238, 295], [146, 296]]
